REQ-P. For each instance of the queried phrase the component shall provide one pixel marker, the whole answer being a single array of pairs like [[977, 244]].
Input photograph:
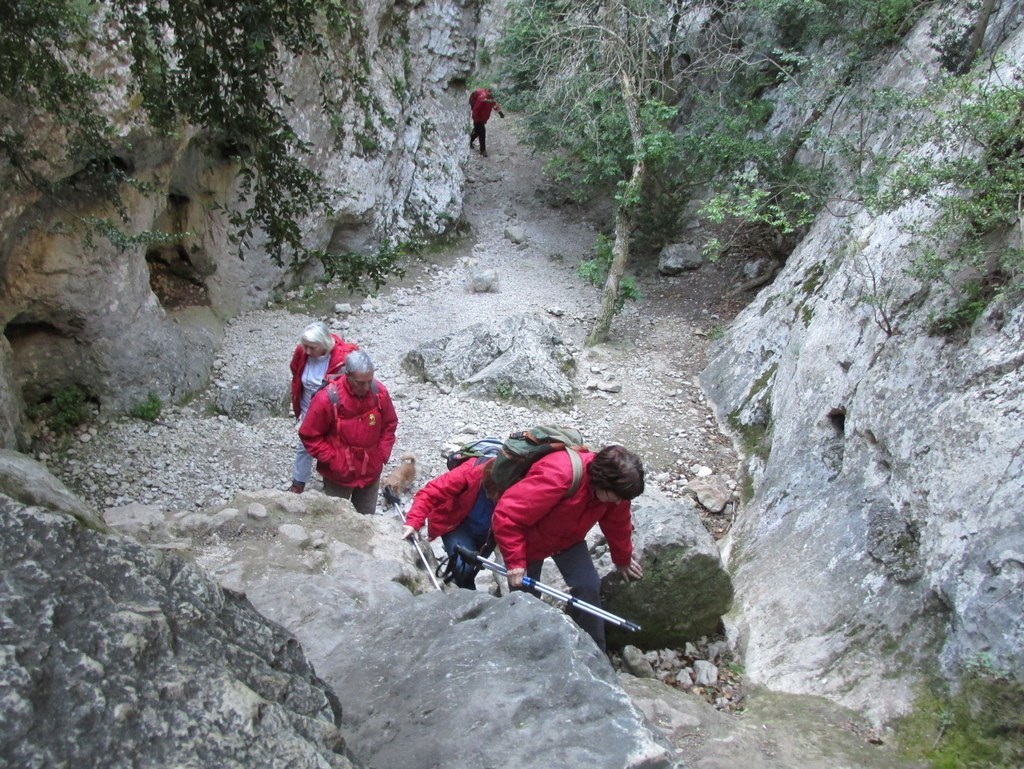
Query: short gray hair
[[358, 362], [317, 333]]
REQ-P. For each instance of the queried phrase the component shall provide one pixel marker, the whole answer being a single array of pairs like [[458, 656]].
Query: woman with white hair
[[319, 357]]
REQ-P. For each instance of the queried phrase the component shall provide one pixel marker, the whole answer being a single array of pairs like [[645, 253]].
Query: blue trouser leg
[[303, 467], [577, 569], [464, 574]]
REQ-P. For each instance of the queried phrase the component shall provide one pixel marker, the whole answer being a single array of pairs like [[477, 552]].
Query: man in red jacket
[[350, 430], [534, 520], [481, 104]]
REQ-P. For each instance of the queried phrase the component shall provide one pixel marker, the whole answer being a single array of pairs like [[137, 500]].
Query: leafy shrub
[[970, 181], [66, 409], [148, 410], [595, 272], [354, 269]]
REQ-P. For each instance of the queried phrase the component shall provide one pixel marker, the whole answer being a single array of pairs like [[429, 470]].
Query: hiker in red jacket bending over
[[481, 104], [457, 507], [534, 519], [350, 430]]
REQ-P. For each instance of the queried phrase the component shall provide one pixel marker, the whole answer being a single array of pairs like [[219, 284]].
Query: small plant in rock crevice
[[149, 409], [67, 408], [595, 272]]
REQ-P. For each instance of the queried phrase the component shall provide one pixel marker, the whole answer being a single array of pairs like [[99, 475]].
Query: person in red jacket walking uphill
[[318, 357], [481, 104], [532, 521], [457, 507], [350, 430]]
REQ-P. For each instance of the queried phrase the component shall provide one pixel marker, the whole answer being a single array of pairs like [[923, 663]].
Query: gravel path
[[641, 389]]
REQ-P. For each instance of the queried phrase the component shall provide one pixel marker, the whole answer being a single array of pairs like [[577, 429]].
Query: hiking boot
[[483, 154], [297, 488]]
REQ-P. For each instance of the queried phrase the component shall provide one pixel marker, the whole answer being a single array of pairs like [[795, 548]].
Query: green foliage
[[867, 24], [595, 272], [216, 66], [975, 297], [66, 409], [122, 240], [755, 200], [970, 179], [503, 390], [354, 270], [761, 193], [148, 410], [979, 727], [557, 72]]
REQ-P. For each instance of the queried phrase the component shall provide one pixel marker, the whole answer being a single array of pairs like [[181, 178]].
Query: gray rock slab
[[117, 655], [521, 358], [685, 590], [776, 731], [465, 679], [31, 483]]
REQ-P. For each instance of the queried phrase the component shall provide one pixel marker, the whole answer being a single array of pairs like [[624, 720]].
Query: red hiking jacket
[[482, 105], [531, 520], [445, 501], [334, 363], [353, 441]]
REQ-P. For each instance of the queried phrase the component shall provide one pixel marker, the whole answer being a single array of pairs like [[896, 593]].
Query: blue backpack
[[484, 447]]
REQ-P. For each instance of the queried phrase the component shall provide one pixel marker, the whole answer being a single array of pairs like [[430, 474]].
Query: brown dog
[[400, 479]]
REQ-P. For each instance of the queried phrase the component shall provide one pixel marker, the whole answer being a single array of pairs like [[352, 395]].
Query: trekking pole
[[540, 587], [396, 503]]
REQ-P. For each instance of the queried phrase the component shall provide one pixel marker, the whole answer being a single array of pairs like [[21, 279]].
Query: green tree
[[216, 66], [589, 78]]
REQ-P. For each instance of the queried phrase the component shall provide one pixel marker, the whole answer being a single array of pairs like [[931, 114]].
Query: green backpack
[[521, 449]]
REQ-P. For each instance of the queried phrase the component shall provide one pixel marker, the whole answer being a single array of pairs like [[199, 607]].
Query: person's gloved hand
[[501, 114]]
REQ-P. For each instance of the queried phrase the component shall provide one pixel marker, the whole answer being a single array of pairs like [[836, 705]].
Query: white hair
[[317, 333]]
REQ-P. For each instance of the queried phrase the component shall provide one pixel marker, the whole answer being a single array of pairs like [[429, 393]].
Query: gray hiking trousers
[[577, 569]]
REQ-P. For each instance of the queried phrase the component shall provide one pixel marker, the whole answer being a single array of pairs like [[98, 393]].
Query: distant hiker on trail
[[533, 521], [457, 507], [318, 356], [350, 430], [481, 104]]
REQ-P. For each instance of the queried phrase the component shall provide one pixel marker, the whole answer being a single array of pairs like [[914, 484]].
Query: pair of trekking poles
[[470, 557]]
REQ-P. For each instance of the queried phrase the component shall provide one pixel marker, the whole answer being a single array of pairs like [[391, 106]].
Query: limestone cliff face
[[884, 539], [123, 323]]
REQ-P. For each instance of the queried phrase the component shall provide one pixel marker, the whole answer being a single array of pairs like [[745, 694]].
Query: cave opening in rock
[[173, 276]]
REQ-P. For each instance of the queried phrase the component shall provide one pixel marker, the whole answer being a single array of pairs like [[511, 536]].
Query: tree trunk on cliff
[[623, 219], [978, 34], [610, 294]]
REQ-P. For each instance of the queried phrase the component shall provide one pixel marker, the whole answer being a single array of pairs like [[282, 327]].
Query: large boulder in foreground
[[30, 482], [685, 590], [464, 679], [521, 358], [116, 655]]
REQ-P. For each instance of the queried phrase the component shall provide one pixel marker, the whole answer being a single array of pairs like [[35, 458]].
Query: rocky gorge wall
[[124, 323], [884, 539]]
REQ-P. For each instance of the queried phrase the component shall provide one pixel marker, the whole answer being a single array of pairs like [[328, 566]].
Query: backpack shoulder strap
[[332, 393], [577, 472]]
